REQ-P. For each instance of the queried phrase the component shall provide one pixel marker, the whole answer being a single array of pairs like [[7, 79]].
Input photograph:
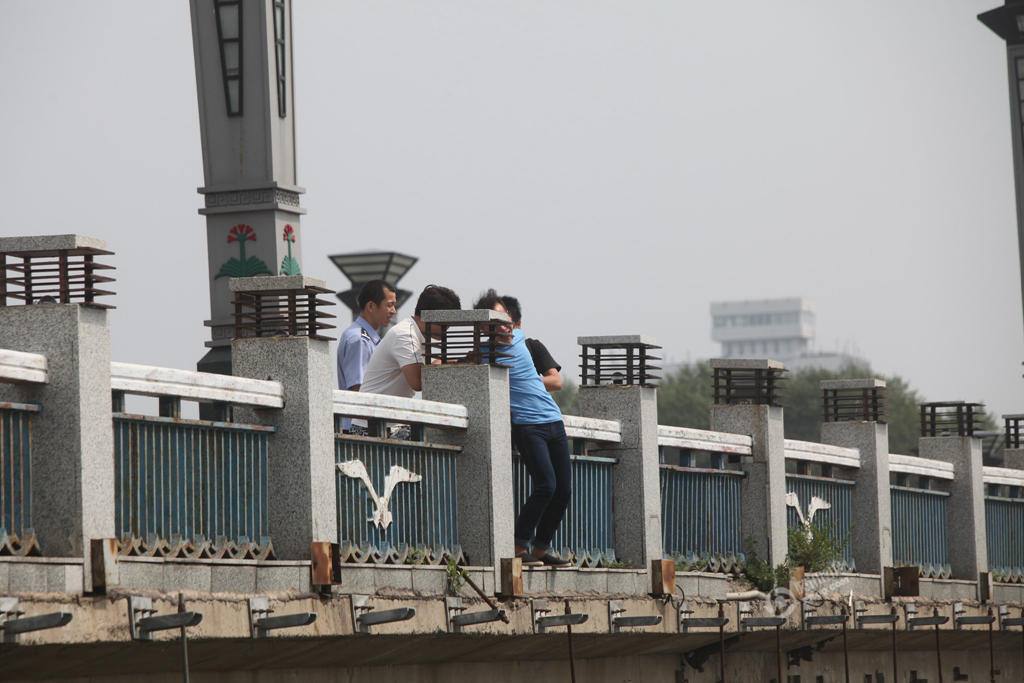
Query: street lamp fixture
[[361, 267]]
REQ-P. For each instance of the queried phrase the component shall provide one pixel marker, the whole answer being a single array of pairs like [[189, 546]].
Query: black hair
[[437, 298], [375, 291], [487, 300], [511, 305]]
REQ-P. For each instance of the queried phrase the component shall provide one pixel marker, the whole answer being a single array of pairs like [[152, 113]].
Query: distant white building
[[781, 329]]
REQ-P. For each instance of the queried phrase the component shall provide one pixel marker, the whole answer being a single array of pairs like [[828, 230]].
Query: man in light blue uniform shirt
[[376, 301]]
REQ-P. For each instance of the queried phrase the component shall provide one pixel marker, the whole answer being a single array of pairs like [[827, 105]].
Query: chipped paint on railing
[[909, 464], [592, 429], [1003, 476], [400, 409], [701, 513], [919, 530], [16, 535], [822, 453], [18, 366], [704, 440]]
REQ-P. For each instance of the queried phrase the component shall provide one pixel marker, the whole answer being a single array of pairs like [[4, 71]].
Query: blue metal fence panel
[[424, 515], [185, 487], [1004, 526], [586, 530], [839, 518], [700, 512], [16, 534], [919, 530]]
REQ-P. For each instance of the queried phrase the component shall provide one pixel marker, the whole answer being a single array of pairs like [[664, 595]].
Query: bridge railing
[[17, 537], [919, 491], [396, 491], [701, 497], [826, 473], [585, 535], [1004, 522], [190, 488]]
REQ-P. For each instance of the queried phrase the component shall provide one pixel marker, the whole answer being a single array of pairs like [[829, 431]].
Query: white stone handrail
[[1003, 475], [823, 453], [909, 464], [18, 366], [592, 429], [704, 440], [400, 409], [147, 380]]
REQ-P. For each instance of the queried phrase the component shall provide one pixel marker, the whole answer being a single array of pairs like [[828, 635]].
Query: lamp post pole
[[1008, 23]]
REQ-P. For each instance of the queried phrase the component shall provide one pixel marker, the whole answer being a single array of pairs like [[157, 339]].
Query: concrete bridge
[[258, 542]]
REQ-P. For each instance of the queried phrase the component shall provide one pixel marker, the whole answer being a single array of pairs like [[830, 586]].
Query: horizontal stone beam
[[704, 440], [147, 380], [592, 429], [823, 453], [17, 367], [400, 409], [909, 464]]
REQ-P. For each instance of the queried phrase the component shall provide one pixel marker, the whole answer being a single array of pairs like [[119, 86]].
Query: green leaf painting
[[248, 268], [242, 266], [289, 266]]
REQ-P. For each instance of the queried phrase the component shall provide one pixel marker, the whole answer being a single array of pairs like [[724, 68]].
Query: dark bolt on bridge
[[54, 269], [951, 418], [624, 360], [472, 336], [853, 400], [741, 381], [280, 306]]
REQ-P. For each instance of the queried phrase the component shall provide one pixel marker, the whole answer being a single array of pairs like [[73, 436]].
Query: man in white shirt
[[395, 367]]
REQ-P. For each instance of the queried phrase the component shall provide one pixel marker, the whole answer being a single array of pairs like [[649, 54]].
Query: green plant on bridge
[[455, 576], [816, 547]]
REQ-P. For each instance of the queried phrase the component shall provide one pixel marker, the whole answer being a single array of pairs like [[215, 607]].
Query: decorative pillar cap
[[620, 359], [853, 400], [462, 336], [466, 317], [747, 381], [53, 269], [845, 384], [268, 283], [746, 364], [950, 418], [279, 305]]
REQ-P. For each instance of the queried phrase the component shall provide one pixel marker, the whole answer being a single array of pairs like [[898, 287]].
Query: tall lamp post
[[364, 266], [1008, 23]]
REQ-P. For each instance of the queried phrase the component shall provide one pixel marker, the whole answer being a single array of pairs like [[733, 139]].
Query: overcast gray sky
[[616, 165]]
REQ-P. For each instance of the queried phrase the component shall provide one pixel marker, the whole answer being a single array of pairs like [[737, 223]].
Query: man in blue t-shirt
[[539, 435]]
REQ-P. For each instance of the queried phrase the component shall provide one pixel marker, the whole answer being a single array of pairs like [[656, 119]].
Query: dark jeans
[[544, 449]]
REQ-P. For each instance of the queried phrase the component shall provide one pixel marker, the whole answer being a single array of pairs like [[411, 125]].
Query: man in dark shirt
[[547, 367]]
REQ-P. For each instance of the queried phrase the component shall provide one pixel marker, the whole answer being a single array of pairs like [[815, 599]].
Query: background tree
[[685, 396], [568, 399]]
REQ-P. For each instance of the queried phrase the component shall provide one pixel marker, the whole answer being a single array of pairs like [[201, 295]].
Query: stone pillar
[[746, 405], [871, 503], [965, 508], [301, 468], [72, 436], [636, 487], [484, 468]]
